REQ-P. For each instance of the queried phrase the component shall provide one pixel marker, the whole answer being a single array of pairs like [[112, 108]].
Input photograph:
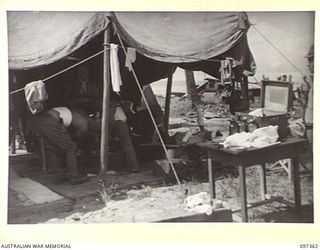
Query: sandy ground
[[161, 200], [150, 204]]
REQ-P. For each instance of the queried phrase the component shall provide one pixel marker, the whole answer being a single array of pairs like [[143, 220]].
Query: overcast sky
[[291, 32]]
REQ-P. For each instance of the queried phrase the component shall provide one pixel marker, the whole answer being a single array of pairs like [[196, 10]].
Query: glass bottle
[[233, 127], [242, 125]]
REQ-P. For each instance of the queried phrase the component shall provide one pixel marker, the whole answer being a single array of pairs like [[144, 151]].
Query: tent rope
[[279, 51], [62, 71], [150, 113], [100, 52]]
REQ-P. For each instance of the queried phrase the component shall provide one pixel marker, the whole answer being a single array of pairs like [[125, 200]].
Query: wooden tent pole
[[245, 91], [13, 128], [193, 96], [167, 105], [105, 104], [14, 113], [104, 147]]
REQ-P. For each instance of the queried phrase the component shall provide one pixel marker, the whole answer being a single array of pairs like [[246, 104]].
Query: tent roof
[[178, 37], [41, 38]]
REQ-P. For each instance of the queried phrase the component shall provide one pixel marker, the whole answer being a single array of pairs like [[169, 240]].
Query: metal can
[[252, 125], [233, 127], [242, 125]]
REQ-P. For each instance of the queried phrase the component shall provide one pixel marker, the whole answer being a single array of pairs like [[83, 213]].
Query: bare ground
[[150, 196], [162, 199]]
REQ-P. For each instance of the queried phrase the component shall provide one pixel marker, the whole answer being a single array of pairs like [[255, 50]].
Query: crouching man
[[59, 127]]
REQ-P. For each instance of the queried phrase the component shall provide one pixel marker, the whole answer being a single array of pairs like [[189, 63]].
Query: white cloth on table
[[257, 112], [260, 137]]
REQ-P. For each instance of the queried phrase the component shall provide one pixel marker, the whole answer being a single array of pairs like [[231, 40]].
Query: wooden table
[[243, 158]]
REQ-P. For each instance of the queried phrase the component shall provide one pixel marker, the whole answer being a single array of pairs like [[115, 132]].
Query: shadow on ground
[[288, 215]]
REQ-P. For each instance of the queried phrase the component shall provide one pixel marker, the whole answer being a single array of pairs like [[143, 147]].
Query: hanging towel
[[35, 93], [131, 58], [119, 114], [115, 69]]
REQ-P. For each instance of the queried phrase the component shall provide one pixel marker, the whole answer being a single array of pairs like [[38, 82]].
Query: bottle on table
[[252, 125], [242, 125], [233, 127]]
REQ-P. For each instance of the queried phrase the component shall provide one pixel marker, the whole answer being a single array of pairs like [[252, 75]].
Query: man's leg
[[71, 161], [126, 144], [58, 136], [54, 162], [75, 177]]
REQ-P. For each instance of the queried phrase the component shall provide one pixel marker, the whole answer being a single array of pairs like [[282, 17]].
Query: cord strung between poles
[[100, 52], [286, 58], [62, 71]]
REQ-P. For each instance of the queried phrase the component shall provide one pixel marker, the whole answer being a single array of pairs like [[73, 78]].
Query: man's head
[[284, 77]]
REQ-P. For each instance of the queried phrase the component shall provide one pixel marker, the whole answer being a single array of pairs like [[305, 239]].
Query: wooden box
[[276, 103]]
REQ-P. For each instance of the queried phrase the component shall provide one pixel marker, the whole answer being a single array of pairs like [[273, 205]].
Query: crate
[[276, 97], [276, 103], [281, 120]]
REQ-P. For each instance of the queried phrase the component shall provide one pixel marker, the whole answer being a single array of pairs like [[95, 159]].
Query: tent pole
[[13, 126], [167, 105], [191, 89], [245, 91], [104, 148], [15, 114]]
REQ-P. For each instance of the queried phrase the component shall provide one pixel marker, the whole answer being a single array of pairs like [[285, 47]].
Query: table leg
[[212, 185], [296, 184], [43, 154], [243, 190], [263, 182]]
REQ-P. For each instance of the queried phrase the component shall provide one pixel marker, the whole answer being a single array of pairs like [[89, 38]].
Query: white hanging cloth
[[36, 94], [115, 68], [130, 58]]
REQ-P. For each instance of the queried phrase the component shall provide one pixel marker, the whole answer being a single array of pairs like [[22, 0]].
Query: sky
[[292, 33]]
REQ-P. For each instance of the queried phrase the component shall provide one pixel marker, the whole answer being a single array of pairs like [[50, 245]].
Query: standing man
[[59, 127], [307, 89], [120, 129]]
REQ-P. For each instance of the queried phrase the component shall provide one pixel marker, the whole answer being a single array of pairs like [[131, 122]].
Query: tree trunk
[[167, 105], [194, 97]]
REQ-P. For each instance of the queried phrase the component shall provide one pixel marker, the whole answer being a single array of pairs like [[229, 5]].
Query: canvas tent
[[187, 39], [163, 41]]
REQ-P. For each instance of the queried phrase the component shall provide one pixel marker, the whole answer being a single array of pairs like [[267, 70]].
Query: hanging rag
[[119, 114], [226, 69], [131, 58], [115, 69], [35, 93]]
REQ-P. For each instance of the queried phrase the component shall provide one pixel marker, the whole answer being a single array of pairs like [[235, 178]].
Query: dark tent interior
[[163, 42]]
